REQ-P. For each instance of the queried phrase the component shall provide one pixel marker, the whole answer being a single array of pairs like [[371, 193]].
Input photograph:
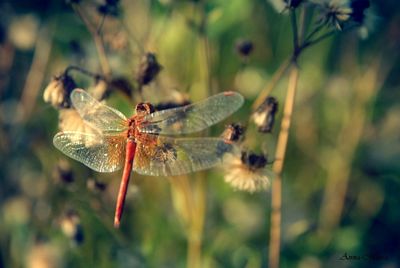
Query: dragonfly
[[145, 142]]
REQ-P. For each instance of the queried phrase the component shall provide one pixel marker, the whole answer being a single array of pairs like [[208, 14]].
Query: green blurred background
[[343, 148]]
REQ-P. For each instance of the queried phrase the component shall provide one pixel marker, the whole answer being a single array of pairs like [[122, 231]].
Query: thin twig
[[36, 73], [365, 86], [98, 41], [83, 71], [279, 73], [293, 20]]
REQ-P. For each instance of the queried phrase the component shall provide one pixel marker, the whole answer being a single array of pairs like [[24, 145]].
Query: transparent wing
[[102, 153], [97, 114], [166, 156], [193, 117]]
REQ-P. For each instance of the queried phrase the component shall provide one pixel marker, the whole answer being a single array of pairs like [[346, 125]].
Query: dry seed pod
[[233, 132], [264, 116], [247, 171], [58, 90], [149, 69]]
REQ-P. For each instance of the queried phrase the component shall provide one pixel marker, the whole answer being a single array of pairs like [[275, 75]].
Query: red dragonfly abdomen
[[130, 155]]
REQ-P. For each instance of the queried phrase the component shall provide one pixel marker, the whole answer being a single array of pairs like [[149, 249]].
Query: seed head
[[264, 116], [358, 7], [63, 172], [247, 171], [233, 132], [58, 90], [71, 226], [292, 3], [149, 69], [244, 47], [334, 12]]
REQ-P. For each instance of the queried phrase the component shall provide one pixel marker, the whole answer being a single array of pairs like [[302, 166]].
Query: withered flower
[[358, 7], [71, 226], [233, 132], [264, 116], [63, 172], [149, 69], [292, 3], [334, 12], [110, 7], [178, 99], [58, 90], [95, 185], [244, 47], [247, 171], [123, 85]]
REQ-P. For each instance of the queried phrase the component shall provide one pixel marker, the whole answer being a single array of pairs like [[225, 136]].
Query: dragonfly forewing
[[194, 117], [96, 114]]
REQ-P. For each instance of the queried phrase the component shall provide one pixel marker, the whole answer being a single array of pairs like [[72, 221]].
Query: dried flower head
[[110, 7], [63, 172], [233, 132], [244, 47], [149, 69], [264, 116], [95, 185], [177, 99], [334, 12], [71, 226], [246, 171], [58, 90], [358, 7], [292, 3], [123, 85]]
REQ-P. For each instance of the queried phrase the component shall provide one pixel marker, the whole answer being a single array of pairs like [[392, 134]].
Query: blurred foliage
[[55, 212]]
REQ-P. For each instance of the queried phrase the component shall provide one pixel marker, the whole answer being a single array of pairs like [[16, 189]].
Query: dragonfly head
[[144, 108]]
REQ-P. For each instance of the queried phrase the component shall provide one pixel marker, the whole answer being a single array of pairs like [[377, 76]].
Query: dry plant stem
[[36, 73], [197, 223], [272, 84], [366, 87], [195, 235], [276, 203], [104, 64]]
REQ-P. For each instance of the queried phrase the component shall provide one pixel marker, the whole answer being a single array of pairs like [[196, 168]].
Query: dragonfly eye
[[144, 108]]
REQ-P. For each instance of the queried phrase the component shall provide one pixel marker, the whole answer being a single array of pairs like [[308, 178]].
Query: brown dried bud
[[58, 90], [244, 47], [264, 116], [149, 69], [95, 185], [254, 161], [293, 3], [233, 132], [122, 84], [170, 105], [63, 172], [71, 226]]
